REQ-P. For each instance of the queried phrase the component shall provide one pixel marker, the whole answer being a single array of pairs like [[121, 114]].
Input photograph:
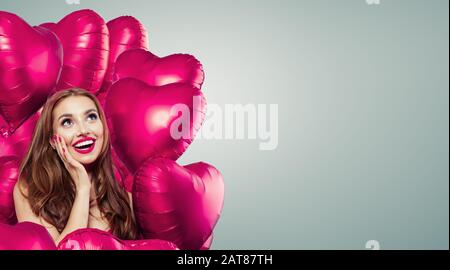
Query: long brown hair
[[51, 192]]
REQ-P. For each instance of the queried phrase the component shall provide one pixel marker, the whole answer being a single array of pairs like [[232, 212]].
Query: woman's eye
[[92, 116], [66, 122]]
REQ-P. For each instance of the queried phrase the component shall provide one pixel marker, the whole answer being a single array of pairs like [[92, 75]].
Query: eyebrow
[[70, 115]]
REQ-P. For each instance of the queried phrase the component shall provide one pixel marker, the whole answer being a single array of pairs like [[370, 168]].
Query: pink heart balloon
[[30, 64], [85, 40], [155, 71], [208, 243], [13, 148], [25, 236], [17, 143], [50, 25], [125, 33], [94, 239], [9, 172], [141, 118], [178, 204]]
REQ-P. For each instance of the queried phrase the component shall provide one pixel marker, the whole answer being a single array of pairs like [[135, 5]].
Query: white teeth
[[84, 143]]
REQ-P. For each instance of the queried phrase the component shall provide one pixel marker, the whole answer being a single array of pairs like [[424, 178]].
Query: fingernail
[[60, 140]]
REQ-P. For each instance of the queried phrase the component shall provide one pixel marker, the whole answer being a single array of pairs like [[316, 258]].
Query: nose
[[82, 130]]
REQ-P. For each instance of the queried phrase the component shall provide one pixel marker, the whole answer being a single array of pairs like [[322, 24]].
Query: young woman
[[66, 179]]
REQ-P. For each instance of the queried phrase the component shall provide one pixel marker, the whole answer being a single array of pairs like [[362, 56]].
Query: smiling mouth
[[85, 147]]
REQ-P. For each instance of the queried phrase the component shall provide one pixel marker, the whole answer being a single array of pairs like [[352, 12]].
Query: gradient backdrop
[[363, 96]]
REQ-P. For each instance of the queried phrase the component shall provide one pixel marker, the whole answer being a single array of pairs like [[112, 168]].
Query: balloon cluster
[[176, 207]]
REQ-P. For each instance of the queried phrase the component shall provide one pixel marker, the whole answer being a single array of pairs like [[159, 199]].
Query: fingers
[[58, 147], [76, 169], [64, 153]]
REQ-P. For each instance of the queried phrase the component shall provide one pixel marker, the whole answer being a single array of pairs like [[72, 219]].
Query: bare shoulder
[[23, 209], [21, 204]]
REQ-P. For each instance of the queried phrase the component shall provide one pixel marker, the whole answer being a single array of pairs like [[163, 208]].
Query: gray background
[[363, 94]]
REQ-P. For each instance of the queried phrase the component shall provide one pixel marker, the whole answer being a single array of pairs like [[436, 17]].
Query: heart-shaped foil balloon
[[94, 239], [9, 172], [85, 39], [178, 204], [149, 121], [30, 65], [25, 236], [156, 71], [17, 143]]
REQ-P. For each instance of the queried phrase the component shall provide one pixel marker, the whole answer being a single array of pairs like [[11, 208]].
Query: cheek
[[66, 134], [98, 130]]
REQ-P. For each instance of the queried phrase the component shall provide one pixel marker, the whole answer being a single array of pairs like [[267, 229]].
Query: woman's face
[[77, 121]]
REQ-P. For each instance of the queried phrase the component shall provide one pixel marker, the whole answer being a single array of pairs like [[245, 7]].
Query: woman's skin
[[75, 118]]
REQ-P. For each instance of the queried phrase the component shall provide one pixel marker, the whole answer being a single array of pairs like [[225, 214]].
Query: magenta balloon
[[85, 40], [94, 239], [9, 171], [25, 236], [17, 143], [125, 33], [178, 204], [13, 148], [140, 118], [208, 243], [30, 64], [155, 71], [50, 25]]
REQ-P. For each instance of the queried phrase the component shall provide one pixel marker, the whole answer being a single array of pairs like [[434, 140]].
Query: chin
[[86, 159]]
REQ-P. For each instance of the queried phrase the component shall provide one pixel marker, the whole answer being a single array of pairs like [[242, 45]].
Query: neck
[[92, 191], [90, 169]]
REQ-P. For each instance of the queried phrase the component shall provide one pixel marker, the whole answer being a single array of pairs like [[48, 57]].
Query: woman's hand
[[76, 170]]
